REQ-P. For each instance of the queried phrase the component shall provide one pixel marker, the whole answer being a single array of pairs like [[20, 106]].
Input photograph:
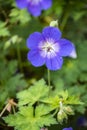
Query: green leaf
[[64, 94], [9, 68], [35, 93], [10, 81], [73, 100], [42, 110], [64, 97], [19, 15], [16, 83], [81, 109], [26, 119], [52, 101], [77, 15], [13, 40], [3, 29]]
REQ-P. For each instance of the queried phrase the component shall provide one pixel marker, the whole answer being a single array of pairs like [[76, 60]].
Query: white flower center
[[34, 2], [49, 48]]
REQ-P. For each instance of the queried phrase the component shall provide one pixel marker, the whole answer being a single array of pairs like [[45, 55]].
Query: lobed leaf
[[35, 93]]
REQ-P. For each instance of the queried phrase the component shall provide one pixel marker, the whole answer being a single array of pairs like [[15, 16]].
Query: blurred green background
[[16, 73]]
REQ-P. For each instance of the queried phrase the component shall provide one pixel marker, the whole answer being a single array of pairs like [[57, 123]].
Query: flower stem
[[19, 58], [13, 109], [48, 71], [66, 14], [64, 21]]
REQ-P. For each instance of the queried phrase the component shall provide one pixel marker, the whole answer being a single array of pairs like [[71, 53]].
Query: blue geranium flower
[[70, 128], [34, 7], [48, 48], [82, 121]]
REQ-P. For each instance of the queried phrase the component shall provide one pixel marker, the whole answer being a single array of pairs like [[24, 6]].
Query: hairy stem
[[49, 79]]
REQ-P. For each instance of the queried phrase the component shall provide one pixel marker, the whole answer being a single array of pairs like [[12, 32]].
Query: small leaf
[[19, 15], [3, 29], [73, 100]]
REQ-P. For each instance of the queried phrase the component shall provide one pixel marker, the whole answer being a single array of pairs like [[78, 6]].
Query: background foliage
[[17, 74]]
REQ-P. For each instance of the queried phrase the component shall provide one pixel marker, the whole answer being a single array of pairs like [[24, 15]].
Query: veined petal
[[54, 63], [45, 4], [35, 10], [51, 33], [33, 40], [21, 3], [66, 47], [35, 58]]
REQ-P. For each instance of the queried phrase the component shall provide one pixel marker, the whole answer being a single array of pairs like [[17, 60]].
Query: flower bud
[[68, 110], [61, 116], [54, 23]]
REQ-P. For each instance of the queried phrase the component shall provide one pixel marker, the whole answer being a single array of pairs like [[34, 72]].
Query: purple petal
[[66, 47], [33, 40], [51, 33], [35, 58], [45, 4], [70, 128], [54, 63], [73, 53], [21, 3], [81, 121], [35, 10]]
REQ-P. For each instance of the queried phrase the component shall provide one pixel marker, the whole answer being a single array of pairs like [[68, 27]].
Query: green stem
[[19, 58], [49, 79], [66, 14], [64, 21], [13, 109], [55, 112]]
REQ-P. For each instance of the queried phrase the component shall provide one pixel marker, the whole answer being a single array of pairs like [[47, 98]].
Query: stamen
[[49, 48]]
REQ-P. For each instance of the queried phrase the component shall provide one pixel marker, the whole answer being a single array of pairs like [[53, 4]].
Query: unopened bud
[[68, 110], [54, 23], [61, 116]]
